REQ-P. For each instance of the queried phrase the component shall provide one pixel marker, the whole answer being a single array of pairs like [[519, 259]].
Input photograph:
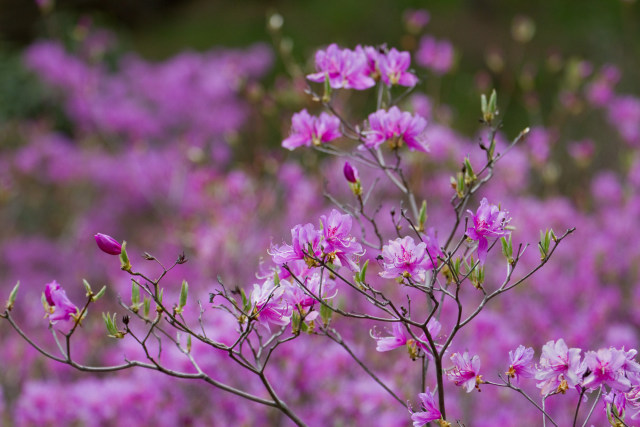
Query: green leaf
[[99, 295], [326, 313], [184, 291], [246, 304], [125, 264], [147, 306], [295, 322], [135, 294], [87, 286], [422, 217], [12, 296]]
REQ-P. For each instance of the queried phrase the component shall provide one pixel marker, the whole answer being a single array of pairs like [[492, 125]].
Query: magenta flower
[[400, 337], [521, 363], [269, 306], [431, 411], [108, 244], [489, 221], [60, 307], [396, 126], [403, 258], [559, 367], [435, 55], [305, 243], [345, 68], [338, 243], [394, 68], [309, 130], [606, 367], [350, 173], [465, 371]]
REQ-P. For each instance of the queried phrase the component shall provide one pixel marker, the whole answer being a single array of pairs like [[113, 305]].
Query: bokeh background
[[160, 122]]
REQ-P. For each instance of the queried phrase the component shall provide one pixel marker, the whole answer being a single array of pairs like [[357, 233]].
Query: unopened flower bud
[[108, 244], [351, 173]]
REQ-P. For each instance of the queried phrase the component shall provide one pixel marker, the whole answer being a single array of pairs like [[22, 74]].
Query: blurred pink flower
[[394, 68], [435, 55], [345, 68]]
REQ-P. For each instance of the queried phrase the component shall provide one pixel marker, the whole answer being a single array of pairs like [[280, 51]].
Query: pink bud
[[351, 173], [108, 244]]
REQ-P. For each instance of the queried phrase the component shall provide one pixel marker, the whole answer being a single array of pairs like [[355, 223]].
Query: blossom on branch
[[521, 363], [560, 367], [465, 371], [344, 68], [397, 127], [57, 304], [394, 68], [338, 244], [400, 337], [488, 221], [431, 411], [269, 306], [403, 258], [310, 130]]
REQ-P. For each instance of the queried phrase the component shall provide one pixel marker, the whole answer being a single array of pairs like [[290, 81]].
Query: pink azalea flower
[[403, 258], [305, 240], [397, 126], [309, 130], [400, 338], [61, 308], [431, 411], [338, 243], [606, 366], [521, 363], [559, 367], [465, 371], [269, 305], [345, 68], [394, 68], [372, 56], [489, 221]]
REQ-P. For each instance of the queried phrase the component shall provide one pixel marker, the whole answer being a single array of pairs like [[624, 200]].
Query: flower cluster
[[333, 243], [360, 68]]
